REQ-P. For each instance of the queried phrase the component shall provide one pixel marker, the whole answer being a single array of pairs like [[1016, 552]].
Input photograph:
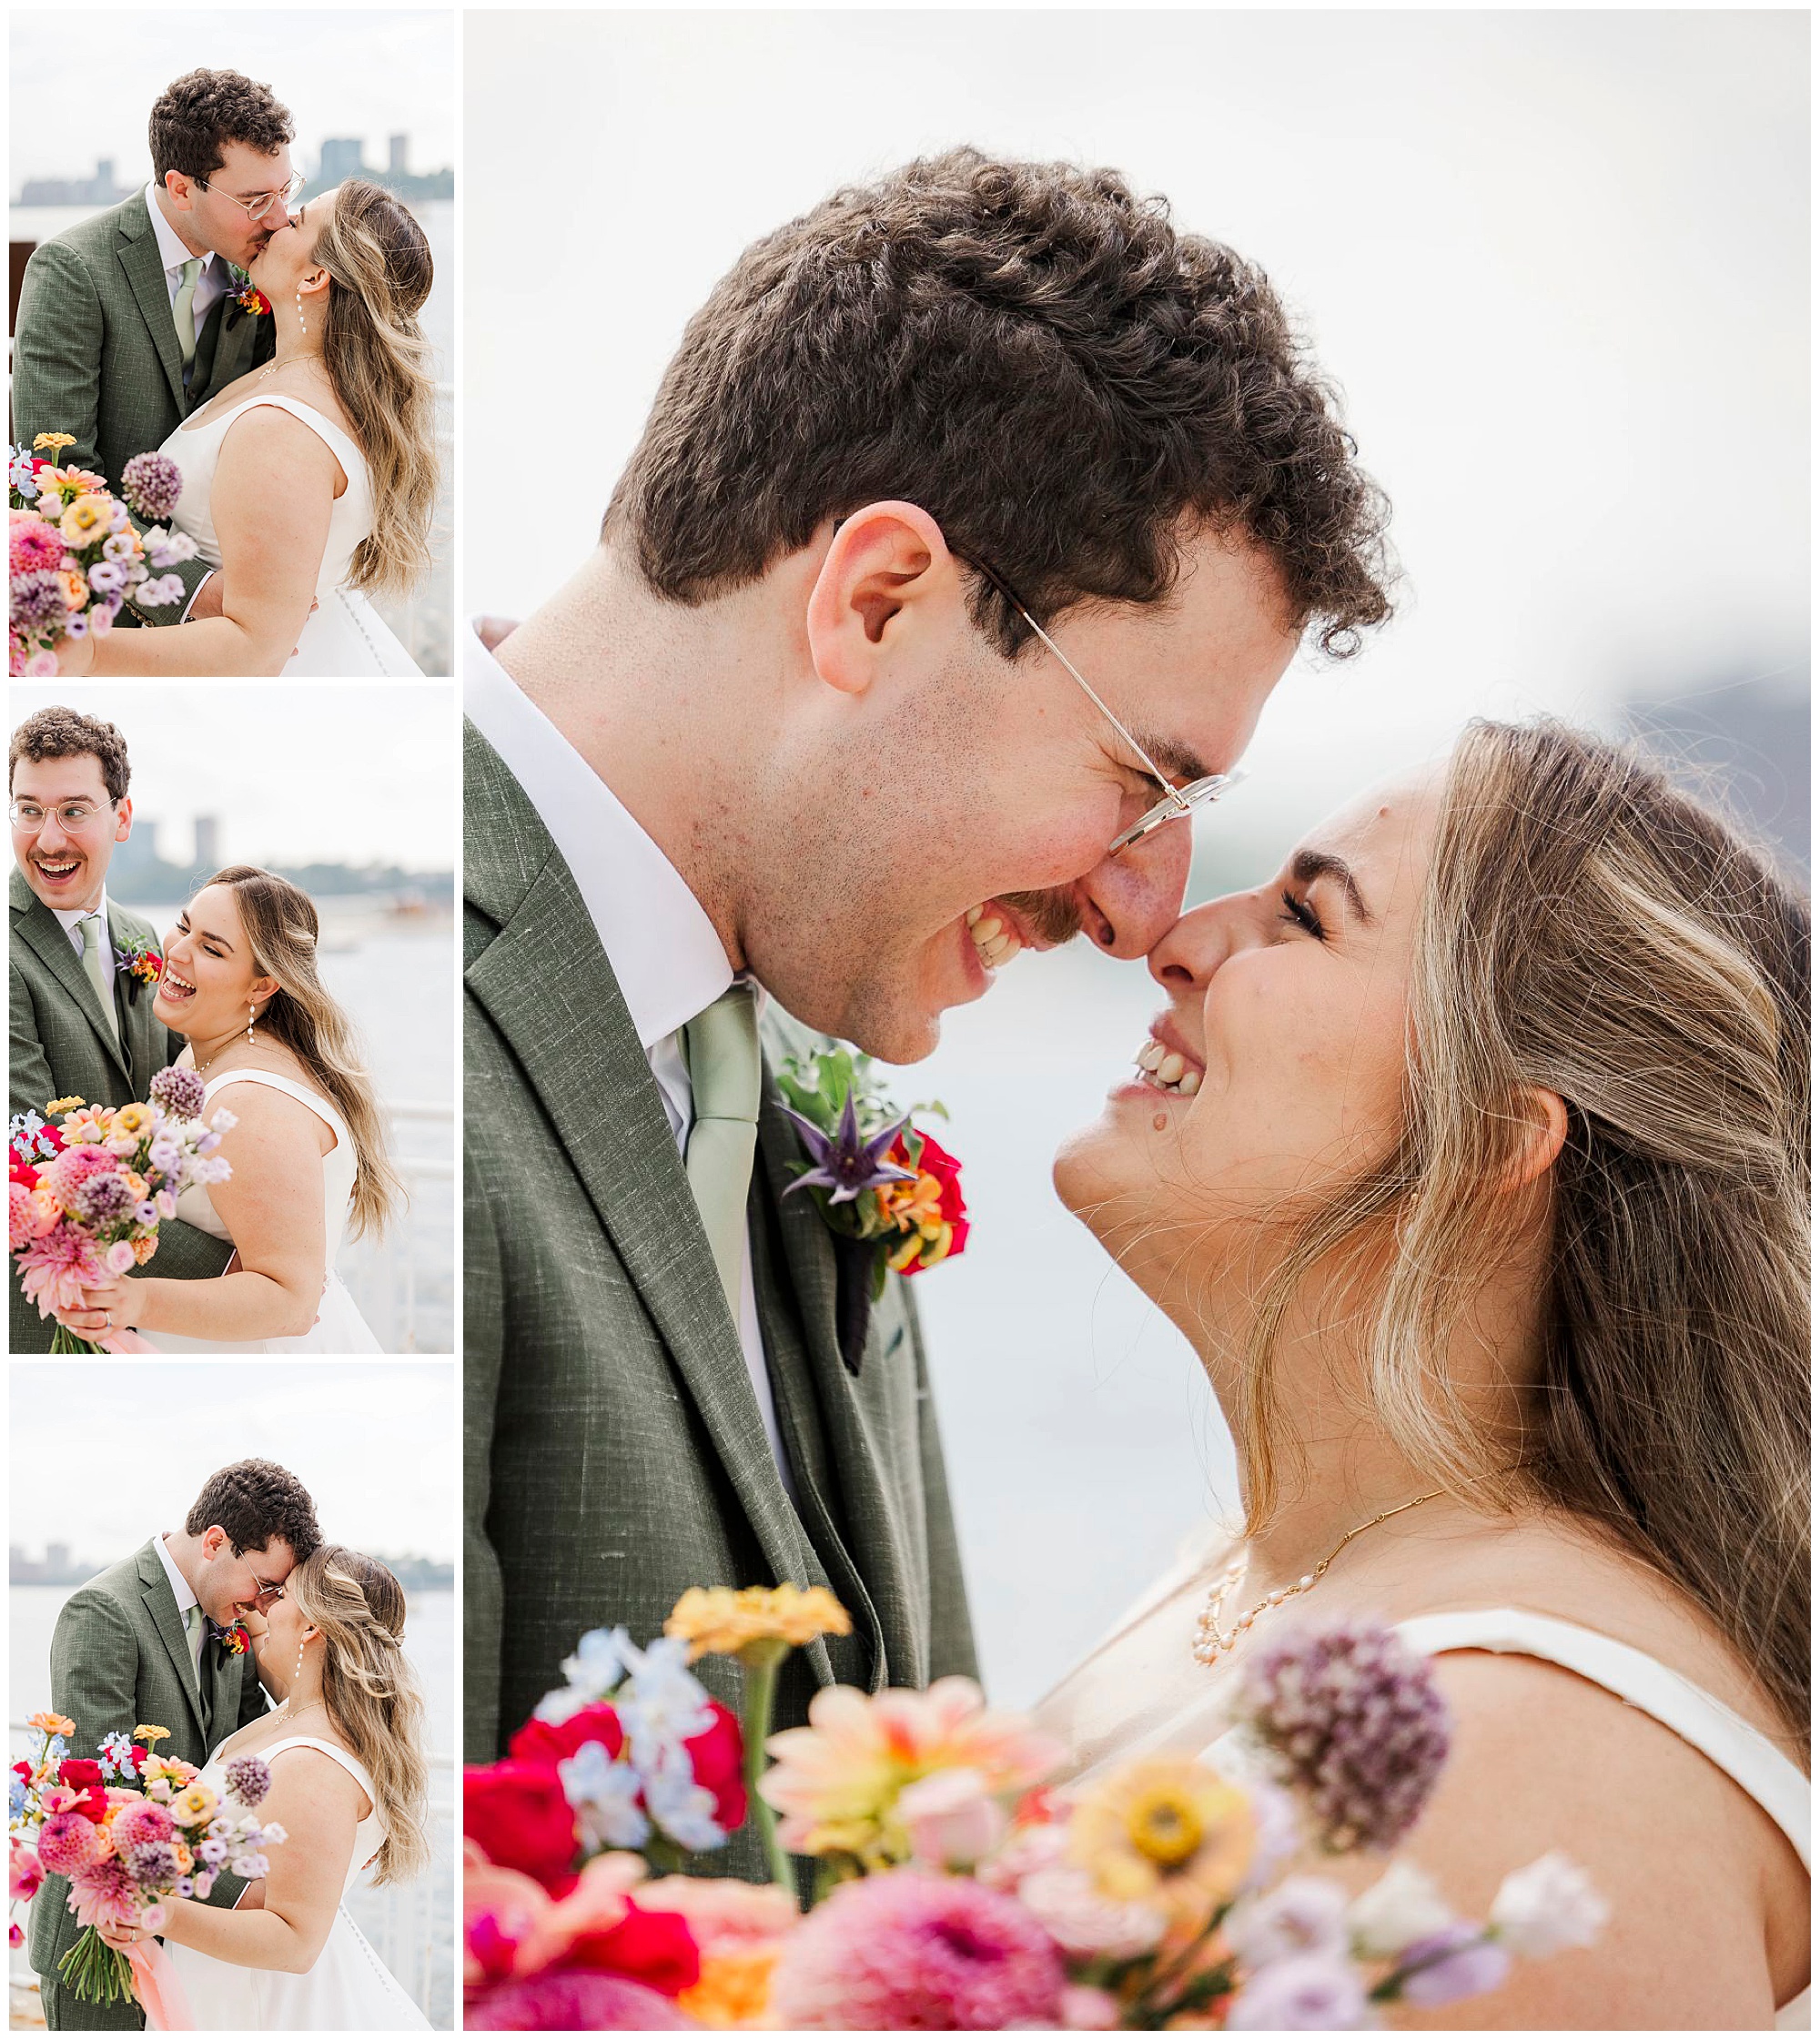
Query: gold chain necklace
[[1212, 1643]]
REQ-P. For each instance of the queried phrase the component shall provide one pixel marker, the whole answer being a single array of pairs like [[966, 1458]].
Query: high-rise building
[[341, 158], [400, 148], [207, 843]]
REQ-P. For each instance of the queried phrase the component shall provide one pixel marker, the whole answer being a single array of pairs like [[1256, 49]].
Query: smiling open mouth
[[174, 989], [996, 942], [1166, 1069], [55, 872]]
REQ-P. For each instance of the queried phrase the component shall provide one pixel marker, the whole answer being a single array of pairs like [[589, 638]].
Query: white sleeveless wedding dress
[[338, 1326], [344, 633], [1199, 1721], [346, 1989]]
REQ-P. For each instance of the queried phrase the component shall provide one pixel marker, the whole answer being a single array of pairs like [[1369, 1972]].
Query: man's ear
[[123, 819], [180, 191], [880, 560], [1543, 1114]]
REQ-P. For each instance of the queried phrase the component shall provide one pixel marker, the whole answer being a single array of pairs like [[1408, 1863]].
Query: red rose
[[517, 1815], [547, 1742], [655, 1949], [717, 1756], [937, 1162], [23, 1771], [83, 1774], [139, 1756]]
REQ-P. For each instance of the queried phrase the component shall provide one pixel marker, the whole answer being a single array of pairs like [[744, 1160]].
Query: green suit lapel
[[545, 982], [161, 1604], [138, 252], [141, 1031], [42, 932]]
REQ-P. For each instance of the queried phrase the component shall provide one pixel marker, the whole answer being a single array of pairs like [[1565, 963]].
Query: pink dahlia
[[571, 2001], [67, 1843], [32, 544], [102, 1893], [141, 1823], [64, 1174], [54, 1271], [911, 1952]]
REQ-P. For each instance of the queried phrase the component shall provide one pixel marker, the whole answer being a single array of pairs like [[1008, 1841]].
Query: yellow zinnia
[[725, 1621], [53, 442], [132, 1118], [148, 1733], [58, 1106], [87, 520], [194, 1806], [1165, 1832]]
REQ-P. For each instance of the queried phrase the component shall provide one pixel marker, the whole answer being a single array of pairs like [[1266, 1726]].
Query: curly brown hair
[[62, 733], [1037, 357], [196, 113], [255, 1500]]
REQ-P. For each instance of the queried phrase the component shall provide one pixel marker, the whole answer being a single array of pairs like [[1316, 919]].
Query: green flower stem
[[759, 1696], [96, 1974], [63, 1340]]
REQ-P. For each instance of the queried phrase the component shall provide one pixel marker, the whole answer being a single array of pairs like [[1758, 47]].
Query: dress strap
[[349, 1763], [353, 463], [1743, 1753], [292, 1088]]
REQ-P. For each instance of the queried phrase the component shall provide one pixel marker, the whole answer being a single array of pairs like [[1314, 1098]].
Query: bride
[[307, 1150], [310, 482], [349, 1786], [1471, 1154]]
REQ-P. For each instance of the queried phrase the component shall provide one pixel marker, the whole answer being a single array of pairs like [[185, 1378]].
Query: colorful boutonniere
[[141, 965], [250, 297], [880, 1182], [234, 1639]]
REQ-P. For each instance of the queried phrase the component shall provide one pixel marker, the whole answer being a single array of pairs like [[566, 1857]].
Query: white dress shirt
[[70, 919], [657, 937], [212, 280], [186, 1601]]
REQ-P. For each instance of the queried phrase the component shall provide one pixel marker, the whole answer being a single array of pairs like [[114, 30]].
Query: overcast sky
[[374, 1442], [366, 74], [1558, 261], [338, 772]]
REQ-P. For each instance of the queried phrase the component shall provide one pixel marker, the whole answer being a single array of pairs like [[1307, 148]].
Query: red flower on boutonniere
[[141, 963], [253, 299], [930, 1212], [236, 1639]]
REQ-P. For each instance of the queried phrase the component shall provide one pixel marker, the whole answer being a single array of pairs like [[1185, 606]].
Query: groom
[[142, 1643], [82, 1026], [131, 320], [788, 728]]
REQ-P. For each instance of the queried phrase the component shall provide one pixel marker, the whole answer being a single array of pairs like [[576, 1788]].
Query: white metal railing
[[386, 1276], [410, 1926]]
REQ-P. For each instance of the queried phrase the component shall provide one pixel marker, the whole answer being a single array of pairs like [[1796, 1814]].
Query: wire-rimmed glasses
[[259, 208]]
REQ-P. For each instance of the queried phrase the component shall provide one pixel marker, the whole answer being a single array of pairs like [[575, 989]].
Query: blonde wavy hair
[[282, 928], [1588, 930], [379, 362], [370, 1693]]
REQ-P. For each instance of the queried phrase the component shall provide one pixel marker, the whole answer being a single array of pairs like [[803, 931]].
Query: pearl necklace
[[1212, 1643]]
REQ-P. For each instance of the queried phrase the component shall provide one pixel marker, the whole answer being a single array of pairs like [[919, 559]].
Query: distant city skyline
[[403, 83], [336, 158]]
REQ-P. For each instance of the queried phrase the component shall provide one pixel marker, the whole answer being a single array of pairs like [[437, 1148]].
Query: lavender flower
[[152, 483], [37, 600], [180, 1093], [160, 593], [247, 1777], [151, 1862], [1303, 1917], [844, 1164], [1458, 1962], [106, 575], [1356, 1724], [102, 1199], [1306, 1994], [169, 548]]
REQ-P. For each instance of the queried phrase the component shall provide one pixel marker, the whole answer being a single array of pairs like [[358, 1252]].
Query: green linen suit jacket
[[119, 1657], [615, 1453], [61, 1048], [95, 353]]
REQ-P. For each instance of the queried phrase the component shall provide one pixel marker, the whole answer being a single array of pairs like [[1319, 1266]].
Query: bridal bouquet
[[73, 553], [87, 1195], [128, 1848], [954, 1889]]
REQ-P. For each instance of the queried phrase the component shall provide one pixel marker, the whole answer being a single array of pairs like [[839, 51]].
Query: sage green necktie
[[192, 1629], [93, 948], [183, 310], [721, 1047]]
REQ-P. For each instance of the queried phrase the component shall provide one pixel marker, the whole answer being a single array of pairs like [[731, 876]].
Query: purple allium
[[152, 1864], [1356, 1724], [1458, 1962], [911, 1952], [37, 600], [102, 1199], [180, 1091], [248, 1778], [846, 1164], [1306, 1994], [152, 483]]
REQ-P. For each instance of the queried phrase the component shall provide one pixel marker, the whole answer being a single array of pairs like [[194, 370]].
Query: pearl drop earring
[[300, 326], [251, 1010], [298, 1672]]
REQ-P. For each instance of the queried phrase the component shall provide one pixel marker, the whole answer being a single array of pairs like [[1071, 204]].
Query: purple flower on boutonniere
[[844, 1163], [140, 963]]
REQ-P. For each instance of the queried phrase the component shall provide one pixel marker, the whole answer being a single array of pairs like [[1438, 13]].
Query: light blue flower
[[602, 1659], [606, 1796], [682, 1809], [56, 1750], [116, 1755], [16, 1797]]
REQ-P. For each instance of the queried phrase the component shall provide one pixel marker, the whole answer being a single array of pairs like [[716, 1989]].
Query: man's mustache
[[1053, 916]]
